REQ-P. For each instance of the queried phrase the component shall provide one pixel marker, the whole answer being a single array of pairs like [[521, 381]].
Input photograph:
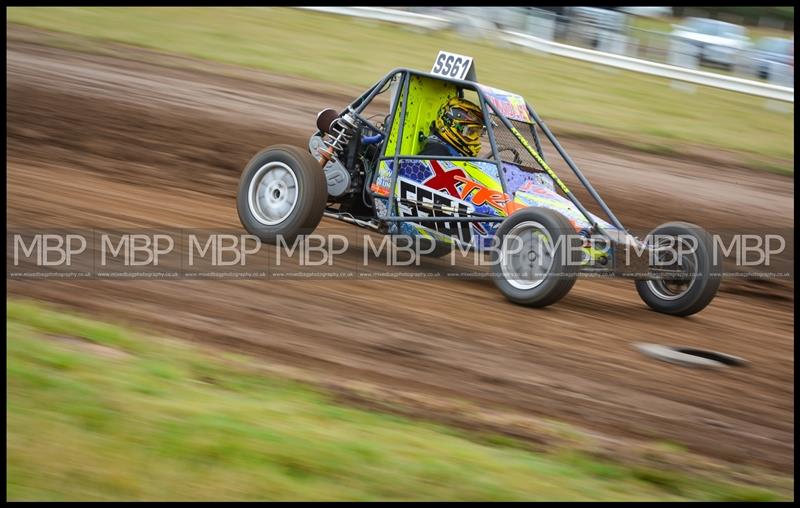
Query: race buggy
[[371, 175]]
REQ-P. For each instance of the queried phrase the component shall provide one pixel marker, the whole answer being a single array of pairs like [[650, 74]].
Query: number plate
[[451, 65]]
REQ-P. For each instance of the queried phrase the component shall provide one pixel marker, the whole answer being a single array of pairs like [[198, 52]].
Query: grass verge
[[356, 52], [99, 412]]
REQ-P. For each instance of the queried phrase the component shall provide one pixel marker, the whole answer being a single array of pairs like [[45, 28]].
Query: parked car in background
[[715, 42], [770, 51], [588, 25]]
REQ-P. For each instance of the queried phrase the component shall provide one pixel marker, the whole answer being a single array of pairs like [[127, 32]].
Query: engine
[[348, 153], [339, 178]]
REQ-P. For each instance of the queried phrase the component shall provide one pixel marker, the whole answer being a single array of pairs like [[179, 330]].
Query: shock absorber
[[341, 131]]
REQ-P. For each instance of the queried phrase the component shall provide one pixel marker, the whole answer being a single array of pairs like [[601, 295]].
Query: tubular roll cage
[[358, 106]]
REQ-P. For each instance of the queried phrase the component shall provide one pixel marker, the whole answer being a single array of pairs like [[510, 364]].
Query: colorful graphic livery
[[463, 189], [506, 200]]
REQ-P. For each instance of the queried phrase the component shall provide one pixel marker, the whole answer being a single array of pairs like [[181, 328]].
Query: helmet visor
[[472, 130], [465, 115]]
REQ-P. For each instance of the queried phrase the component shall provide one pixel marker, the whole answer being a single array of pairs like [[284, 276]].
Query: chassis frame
[[619, 240]]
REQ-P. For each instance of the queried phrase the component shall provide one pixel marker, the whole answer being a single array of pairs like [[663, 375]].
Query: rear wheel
[[537, 257], [282, 192], [698, 278]]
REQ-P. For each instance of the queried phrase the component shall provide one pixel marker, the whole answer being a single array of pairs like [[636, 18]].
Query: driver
[[456, 131]]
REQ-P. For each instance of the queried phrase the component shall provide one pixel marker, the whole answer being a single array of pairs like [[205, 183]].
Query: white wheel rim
[[273, 193], [525, 263], [672, 290]]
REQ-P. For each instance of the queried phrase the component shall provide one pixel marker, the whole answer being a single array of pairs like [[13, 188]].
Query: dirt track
[[97, 141]]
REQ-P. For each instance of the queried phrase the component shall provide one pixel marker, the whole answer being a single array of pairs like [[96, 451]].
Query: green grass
[[638, 108], [98, 412]]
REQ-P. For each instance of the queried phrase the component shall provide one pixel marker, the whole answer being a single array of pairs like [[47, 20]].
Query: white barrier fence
[[611, 56], [732, 83], [391, 15]]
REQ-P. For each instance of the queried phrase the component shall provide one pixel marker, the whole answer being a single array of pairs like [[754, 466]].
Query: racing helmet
[[460, 123]]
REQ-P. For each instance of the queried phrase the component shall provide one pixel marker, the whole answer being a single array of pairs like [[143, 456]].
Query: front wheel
[[282, 193], [536, 258], [688, 250]]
